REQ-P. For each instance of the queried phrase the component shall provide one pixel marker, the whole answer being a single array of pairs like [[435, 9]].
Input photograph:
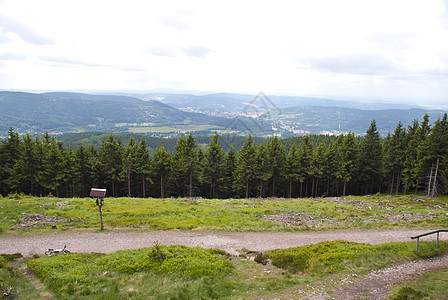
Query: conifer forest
[[408, 160]]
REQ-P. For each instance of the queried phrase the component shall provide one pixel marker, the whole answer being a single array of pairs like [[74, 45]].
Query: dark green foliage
[[213, 167], [370, 159], [246, 168], [409, 293], [310, 166]]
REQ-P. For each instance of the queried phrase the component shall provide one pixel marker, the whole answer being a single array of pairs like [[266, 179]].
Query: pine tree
[[246, 166], [263, 168], [331, 169], [143, 165], [434, 157], [370, 159], [53, 171], [395, 148], [130, 164], [25, 175], [318, 167], [161, 169], [229, 169], [292, 168], [277, 159], [213, 166], [305, 155], [410, 157], [346, 156], [82, 169], [186, 162], [9, 154], [421, 169], [110, 158]]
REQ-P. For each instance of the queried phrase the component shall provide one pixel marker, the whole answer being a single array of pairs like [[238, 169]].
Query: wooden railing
[[425, 234]]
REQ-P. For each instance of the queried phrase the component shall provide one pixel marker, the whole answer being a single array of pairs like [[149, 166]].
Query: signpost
[[99, 194]]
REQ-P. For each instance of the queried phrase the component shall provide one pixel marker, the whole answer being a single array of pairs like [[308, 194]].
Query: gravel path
[[107, 242], [378, 284]]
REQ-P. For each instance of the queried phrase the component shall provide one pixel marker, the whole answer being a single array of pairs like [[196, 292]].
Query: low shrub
[[328, 257], [169, 260], [84, 274]]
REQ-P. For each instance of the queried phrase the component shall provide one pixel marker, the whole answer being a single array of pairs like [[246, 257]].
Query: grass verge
[[431, 285], [21, 214]]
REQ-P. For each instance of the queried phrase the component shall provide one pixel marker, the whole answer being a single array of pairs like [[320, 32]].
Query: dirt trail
[[107, 242], [378, 284]]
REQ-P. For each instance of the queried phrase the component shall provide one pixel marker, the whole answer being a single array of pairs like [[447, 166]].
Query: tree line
[[409, 160]]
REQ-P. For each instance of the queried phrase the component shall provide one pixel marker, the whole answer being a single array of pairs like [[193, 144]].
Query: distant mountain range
[[169, 115]]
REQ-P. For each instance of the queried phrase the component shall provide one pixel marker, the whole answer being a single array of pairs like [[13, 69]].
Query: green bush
[[331, 256], [169, 260], [311, 257], [85, 274]]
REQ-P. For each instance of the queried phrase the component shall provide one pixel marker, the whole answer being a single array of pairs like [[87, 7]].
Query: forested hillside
[[228, 114], [407, 160], [75, 112]]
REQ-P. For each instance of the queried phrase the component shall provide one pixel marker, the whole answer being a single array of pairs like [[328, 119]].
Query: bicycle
[[64, 250]]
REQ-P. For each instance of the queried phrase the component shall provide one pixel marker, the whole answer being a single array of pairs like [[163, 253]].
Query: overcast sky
[[369, 49]]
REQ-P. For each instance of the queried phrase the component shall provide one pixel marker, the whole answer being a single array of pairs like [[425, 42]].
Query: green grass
[[431, 285], [11, 277], [159, 271], [329, 257], [179, 272], [374, 212]]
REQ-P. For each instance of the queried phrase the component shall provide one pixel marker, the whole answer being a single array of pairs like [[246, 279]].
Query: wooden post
[[99, 195], [99, 203]]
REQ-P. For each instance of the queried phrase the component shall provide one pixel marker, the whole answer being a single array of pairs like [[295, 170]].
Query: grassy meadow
[[19, 213]]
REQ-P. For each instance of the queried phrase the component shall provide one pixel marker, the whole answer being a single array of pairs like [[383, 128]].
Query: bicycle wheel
[[49, 252]]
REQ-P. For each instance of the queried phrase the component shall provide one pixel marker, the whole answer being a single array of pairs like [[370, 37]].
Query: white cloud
[[347, 47]]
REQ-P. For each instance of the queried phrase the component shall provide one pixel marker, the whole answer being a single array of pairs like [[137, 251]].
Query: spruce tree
[[412, 142], [143, 165], [246, 166], [186, 162], [9, 154], [370, 159], [433, 157], [292, 168], [346, 157], [318, 168], [130, 164], [161, 169], [305, 156], [277, 159], [110, 159], [229, 169], [25, 175], [83, 171], [213, 166], [53, 171]]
